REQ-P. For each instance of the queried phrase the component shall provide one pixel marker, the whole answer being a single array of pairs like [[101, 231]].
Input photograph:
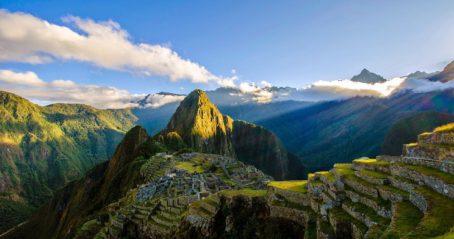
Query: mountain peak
[[365, 76], [200, 125], [446, 75]]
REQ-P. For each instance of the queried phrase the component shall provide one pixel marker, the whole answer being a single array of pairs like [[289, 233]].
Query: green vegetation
[[371, 161], [191, 167], [245, 192], [13, 213], [344, 170], [292, 185], [445, 177], [407, 130], [405, 219], [369, 212], [374, 174], [438, 220], [43, 148], [445, 128]]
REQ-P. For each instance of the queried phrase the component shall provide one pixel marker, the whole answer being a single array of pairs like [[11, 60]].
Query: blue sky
[[286, 43]]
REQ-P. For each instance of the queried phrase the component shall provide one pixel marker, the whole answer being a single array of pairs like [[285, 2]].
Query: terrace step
[[439, 181], [373, 177], [435, 221], [446, 166], [405, 219], [363, 213], [371, 164], [380, 206], [338, 220]]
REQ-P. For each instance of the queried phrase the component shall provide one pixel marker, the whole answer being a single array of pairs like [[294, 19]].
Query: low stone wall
[[382, 211], [358, 216], [390, 195], [373, 180], [435, 152], [446, 138], [432, 182], [419, 201], [372, 167], [361, 188]]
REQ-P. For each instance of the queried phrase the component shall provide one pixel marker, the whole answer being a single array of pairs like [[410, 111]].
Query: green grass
[[190, 167], [404, 221], [445, 177], [374, 174], [341, 216], [344, 170], [291, 185], [439, 218], [445, 128], [371, 161], [245, 192], [369, 212]]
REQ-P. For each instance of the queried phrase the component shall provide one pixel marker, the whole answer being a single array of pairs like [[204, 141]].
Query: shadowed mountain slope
[[339, 131]]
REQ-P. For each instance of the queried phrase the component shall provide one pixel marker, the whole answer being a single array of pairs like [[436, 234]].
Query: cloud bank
[[26, 38], [29, 85], [334, 90]]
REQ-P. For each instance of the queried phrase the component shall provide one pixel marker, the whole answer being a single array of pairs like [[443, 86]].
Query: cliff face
[[199, 125]]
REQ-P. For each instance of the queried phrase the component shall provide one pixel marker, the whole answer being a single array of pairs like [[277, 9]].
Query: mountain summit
[[368, 77], [198, 125], [446, 75]]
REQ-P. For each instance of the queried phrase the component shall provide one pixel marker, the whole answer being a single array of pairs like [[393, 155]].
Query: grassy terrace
[[291, 185], [374, 174], [445, 177], [190, 167], [371, 161], [405, 219], [369, 212], [245, 192], [341, 216], [439, 218], [344, 169], [379, 200], [445, 128]]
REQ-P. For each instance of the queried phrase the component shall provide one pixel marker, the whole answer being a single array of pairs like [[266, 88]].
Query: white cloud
[[23, 78], [29, 85], [258, 94], [354, 88], [158, 100], [422, 85], [266, 84], [25, 38]]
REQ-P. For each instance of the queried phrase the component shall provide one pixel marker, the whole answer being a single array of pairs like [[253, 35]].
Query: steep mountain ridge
[[43, 148]]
